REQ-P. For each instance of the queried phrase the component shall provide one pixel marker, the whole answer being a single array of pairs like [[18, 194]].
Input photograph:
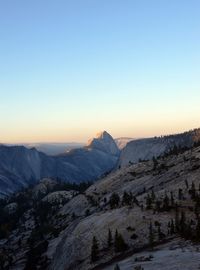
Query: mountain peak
[[102, 134], [103, 141]]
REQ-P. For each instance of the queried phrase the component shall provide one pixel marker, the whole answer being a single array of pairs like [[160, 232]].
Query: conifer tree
[[94, 250], [172, 229], [127, 199], [182, 224], [153, 196], [180, 194], [172, 198], [110, 240], [177, 223], [186, 183], [160, 235], [193, 191], [155, 163], [114, 200], [151, 236], [166, 203], [116, 267], [148, 202], [119, 243], [158, 205], [197, 230]]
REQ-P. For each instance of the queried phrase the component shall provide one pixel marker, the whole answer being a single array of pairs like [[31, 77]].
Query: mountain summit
[[104, 142]]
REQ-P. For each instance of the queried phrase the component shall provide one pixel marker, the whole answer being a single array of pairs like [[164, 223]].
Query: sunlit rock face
[[104, 142], [145, 149], [20, 167]]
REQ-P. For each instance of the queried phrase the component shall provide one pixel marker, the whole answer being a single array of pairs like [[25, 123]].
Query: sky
[[71, 68]]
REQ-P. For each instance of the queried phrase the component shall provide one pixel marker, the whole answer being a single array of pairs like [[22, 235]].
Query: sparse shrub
[[134, 236]]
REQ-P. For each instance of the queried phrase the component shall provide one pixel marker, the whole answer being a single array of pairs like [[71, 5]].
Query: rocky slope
[[144, 149], [162, 195], [20, 167]]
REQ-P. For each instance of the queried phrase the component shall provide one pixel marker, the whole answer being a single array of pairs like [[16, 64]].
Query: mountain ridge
[[147, 148], [20, 166]]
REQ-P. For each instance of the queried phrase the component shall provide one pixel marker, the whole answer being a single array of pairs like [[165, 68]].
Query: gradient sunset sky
[[69, 69]]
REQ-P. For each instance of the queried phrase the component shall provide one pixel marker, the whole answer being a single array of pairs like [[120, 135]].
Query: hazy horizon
[[93, 136], [71, 68]]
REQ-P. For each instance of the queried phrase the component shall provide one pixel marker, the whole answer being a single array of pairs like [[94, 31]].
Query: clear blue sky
[[71, 68]]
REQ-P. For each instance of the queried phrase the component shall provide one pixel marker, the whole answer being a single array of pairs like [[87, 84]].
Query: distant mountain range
[[53, 149], [20, 166]]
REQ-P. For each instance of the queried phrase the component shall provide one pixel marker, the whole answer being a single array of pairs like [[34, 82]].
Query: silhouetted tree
[[155, 163], [182, 225], [148, 202], [172, 198], [114, 200], [180, 194], [110, 239], [127, 198], [177, 222], [94, 250], [172, 228], [197, 230], [119, 243], [116, 267], [166, 203], [151, 236], [153, 196], [186, 183], [193, 191]]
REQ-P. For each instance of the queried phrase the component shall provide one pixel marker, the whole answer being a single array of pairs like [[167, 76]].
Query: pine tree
[[180, 194], [172, 198], [155, 163], [160, 235], [172, 229], [151, 236], [188, 231], [110, 240], [116, 267], [177, 223], [182, 224], [158, 205], [114, 200], [197, 206], [197, 230], [193, 191], [153, 196], [127, 198], [166, 203], [119, 243], [148, 202], [94, 250], [186, 183]]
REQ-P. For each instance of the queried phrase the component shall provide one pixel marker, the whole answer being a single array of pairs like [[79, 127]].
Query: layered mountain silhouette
[[20, 166]]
